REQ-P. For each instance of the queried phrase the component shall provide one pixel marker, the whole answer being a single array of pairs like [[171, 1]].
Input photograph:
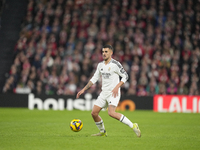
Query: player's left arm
[[92, 81], [121, 72], [115, 90]]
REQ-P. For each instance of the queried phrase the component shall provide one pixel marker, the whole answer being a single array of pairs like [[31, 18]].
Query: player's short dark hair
[[109, 47]]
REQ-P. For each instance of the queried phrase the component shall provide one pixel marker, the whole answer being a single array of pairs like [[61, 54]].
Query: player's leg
[[118, 116], [99, 104], [113, 103], [95, 113], [98, 121], [123, 119]]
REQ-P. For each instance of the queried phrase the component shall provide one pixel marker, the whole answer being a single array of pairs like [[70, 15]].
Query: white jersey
[[110, 75]]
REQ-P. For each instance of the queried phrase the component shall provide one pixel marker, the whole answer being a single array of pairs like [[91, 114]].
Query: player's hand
[[115, 92], [79, 93]]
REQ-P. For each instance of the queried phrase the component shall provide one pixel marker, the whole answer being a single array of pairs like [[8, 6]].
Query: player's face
[[106, 53]]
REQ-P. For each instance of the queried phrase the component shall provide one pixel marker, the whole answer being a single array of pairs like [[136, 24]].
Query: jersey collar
[[108, 62]]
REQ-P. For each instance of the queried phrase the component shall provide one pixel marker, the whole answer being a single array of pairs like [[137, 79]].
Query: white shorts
[[105, 99]]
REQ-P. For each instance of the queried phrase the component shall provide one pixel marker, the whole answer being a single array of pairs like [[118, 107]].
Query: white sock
[[100, 126], [126, 121]]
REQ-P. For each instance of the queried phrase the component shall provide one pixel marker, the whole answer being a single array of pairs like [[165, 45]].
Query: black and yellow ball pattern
[[76, 125]]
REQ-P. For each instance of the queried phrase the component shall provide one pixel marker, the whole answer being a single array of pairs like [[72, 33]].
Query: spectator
[[141, 91], [47, 60], [172, 89], [162, 89], [182, 89], [152, 88], [39, 88]]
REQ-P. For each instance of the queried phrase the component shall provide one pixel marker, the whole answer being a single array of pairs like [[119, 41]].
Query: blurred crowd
[[157, 42]]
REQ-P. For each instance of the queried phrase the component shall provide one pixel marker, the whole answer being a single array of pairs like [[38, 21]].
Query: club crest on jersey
[[109, 69]]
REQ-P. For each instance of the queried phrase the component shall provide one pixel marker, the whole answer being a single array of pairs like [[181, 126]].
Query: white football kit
[[110, 78]]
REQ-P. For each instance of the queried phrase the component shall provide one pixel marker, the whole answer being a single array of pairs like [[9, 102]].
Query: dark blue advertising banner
[[63, 102]]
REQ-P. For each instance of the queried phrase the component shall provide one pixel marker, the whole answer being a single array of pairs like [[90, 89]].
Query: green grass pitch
[[23, 129]]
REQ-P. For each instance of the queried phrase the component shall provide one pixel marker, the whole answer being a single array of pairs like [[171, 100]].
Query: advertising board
[[175, 103]]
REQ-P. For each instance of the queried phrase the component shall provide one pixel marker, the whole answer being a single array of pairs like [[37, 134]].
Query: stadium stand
[[11, 14], [157, 42]]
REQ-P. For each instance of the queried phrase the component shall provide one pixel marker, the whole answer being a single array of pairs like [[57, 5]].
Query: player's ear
[[111, 52]]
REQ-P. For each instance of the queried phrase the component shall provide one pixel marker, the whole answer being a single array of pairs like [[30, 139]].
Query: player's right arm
[[84, 89], [92, 81]]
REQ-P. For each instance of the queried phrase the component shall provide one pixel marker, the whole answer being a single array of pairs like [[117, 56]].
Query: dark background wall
[[12, 13]]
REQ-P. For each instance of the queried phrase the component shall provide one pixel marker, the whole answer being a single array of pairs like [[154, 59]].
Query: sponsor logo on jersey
[[106, 75]]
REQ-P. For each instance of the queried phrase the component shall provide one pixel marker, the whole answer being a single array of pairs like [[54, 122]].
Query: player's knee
[[111, 114], [94, 114]]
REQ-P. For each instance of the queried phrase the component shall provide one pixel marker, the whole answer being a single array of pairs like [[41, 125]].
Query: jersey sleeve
[[121, 72], [96, 76]]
